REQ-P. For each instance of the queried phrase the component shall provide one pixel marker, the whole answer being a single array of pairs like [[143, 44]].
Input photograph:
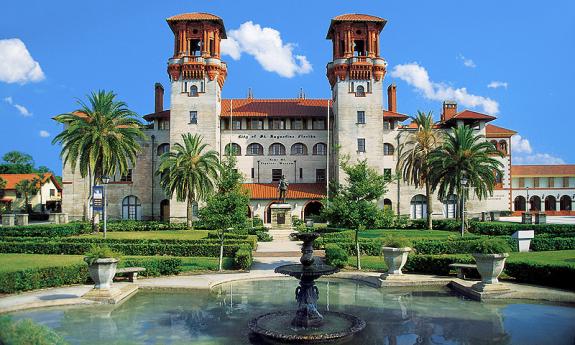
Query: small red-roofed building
[[48, 198]]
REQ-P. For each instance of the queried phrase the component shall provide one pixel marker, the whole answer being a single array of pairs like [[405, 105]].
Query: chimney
[[250, 93], [449, 110], [159, 98], [391, 98]]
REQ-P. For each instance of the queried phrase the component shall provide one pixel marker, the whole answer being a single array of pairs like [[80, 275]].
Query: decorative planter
[[102, 272], [395, 258], [490, 266]]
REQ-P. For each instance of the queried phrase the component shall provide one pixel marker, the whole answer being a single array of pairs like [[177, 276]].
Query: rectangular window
[[255, 124], [163, 125], [387, 174], [2, 193], [536, 182], [193, 117], [276, 175], [551, 182], [236, 124], [319, 175], [521, 182], [300, 172], [52, 192], [277, 124], [127, 177], [253, 173], [360, 145], [386, 125], [361, 117], [565, 182], [298, 124], [318, 124]]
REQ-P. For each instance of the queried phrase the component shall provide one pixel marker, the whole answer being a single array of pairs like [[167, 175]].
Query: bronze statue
[[282, 189]]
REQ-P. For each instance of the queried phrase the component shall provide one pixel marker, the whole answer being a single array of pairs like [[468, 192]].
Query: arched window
[[360, 91], [388, 149], [277, 149], [535, 203], [503, 146], [450, 206], [255, 149], [131, 208], [498, 177], [387, 204], [298, 149], [163, 148], [312, 209], [418, 207], [565, 203], [494, 142], [233, 149], [193, 91], [320, 149], [519, 203], [550, 203]]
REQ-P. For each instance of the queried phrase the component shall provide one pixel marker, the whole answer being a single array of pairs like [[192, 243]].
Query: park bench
[[131, 273], [463, 269]]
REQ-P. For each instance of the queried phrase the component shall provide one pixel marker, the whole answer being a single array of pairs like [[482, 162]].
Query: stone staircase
[[281, 246]]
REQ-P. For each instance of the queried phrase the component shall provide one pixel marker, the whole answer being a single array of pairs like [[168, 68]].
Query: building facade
[[301, 139], [47, 199]]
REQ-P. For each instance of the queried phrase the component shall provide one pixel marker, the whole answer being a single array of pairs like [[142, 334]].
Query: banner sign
[[98, 199]]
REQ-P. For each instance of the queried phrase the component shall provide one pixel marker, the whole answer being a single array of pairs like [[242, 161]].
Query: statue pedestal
[[281, 216]]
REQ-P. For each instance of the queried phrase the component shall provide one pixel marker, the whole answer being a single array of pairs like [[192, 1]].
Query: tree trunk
[[429, 205], [189, 216], [221, 249], [358, 253]]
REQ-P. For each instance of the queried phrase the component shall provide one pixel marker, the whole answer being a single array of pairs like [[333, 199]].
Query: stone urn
[[102, 272], [395, 258], [490, 266]]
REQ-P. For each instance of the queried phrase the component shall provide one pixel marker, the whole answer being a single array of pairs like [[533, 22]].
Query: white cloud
[[417, 76], [21, 109], [267, 47], [467, 62], [497, 84], [16, 63], [520, 144], [44, 134], [523, 153]]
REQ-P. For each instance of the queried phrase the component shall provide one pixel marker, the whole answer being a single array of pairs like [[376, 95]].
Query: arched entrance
[[165, 210], [312, 209], [131, 208], [268, 213], [535, 203], [418, 207], [519, 203], [550, 203], [387, 205], [565, 203]]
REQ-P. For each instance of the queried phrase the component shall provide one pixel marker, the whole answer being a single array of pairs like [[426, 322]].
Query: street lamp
[[463, 184], [105, 181]]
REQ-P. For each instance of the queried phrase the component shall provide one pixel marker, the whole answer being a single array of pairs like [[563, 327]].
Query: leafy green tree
[[353, 204], [28, 188], [100, 138], [189, 171], [414, 157], [464, 154], [17, 157], [229, 206]]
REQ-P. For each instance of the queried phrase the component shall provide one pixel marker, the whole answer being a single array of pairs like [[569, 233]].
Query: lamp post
[[105, 181], [463, 185], [528, 207]]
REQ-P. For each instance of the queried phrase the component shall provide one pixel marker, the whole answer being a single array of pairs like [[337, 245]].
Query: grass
[[153, 235], [411, 234], [16, 262]]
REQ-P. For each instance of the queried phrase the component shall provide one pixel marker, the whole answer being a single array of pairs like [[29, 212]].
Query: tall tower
[[356, 77], [197, 76]]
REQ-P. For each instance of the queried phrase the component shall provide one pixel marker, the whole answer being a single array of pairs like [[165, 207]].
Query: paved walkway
[[281, 246]]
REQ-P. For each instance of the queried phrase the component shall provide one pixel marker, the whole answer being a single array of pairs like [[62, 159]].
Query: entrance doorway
[[165, 210]]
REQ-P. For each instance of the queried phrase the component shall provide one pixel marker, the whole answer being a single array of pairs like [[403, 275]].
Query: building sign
[[274, 136], [98, 198], [276, 161]]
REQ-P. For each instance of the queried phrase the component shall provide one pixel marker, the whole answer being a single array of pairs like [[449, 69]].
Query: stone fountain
[[306, 324]]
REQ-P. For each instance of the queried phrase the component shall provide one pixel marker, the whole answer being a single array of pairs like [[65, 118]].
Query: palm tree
[[414, 155], [189, 171], [464, 154], [28, 188], [101, 137]]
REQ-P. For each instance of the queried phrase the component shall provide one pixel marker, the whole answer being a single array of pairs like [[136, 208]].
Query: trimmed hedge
[[507, 229], [434, 264], [45, 230], [26, 332], [138, 225], [335, 255], [541, 274], [243, 258], [39, 278], [541, 244], [154, 266]]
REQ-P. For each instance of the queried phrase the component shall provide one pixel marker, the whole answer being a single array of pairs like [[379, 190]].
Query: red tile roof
[[413, 125], [194, 16], [393, 115], [356, 17], [295, 190], [492, 131], [13, 179], [165, 114], [471, 115], [543, 170], [298, 107]]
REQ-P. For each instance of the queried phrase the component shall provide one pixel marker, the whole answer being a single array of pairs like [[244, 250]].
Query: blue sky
[[52, 52]]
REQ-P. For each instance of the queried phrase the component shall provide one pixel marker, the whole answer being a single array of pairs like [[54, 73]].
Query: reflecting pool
[[393, 316]]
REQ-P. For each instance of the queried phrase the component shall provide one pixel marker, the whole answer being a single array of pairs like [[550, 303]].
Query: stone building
[[303, 139]]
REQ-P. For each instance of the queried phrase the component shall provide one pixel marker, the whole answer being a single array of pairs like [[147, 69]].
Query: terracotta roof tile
[[194, 16], [543, 170], [295, 191], [165, 114], [275, 107], [357, 17], [393, 115], [471, 115], [13, 179], [492, 131]]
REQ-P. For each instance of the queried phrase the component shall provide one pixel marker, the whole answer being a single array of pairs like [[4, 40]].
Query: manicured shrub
[[507, 229], [490, 246], [243, 258], [335, 255], [26, 332], [40, 278], [45, 230], [154, 266], [100, 252], [434, 264], [540, 244], [540, 274], [138, 225], [396, 242]]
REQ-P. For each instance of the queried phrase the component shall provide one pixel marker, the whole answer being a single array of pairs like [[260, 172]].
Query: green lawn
[[16, 262], [154, 235], [412, 234]]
